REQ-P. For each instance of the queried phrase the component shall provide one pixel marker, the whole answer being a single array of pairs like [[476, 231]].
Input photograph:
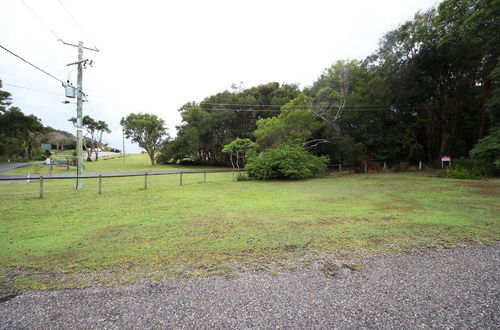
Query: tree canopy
[[430, 89], [19, 133], [147, 130]]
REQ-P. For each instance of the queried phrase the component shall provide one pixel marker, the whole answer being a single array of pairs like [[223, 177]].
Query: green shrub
[[472, 169], [286, 162], [241, 177], [488, 151]]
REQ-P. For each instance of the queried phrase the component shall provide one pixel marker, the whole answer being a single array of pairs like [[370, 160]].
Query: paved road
[[434, 289], [13, 178], [10, 166]]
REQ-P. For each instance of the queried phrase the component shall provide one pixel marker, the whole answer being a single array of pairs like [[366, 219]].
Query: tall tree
[[101, 127], [21, 131], [147, 130], [332, 91]]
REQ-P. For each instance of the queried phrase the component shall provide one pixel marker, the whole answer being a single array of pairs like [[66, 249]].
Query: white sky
[[157, 55]]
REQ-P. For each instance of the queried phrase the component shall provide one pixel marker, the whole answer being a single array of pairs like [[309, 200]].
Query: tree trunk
[[96, 153], [151, 156], [445, 138], [89, 155], [30, 151]]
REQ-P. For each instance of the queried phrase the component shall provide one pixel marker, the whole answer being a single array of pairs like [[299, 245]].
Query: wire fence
[[370, 166], [41, 186]]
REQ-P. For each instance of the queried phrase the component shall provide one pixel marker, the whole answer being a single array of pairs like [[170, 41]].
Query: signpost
[[445, 159]]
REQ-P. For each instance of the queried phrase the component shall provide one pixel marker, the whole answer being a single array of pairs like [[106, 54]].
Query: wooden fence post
[[340, 167], [366, 167], [145, 181], [100, 184], [180, 178], [385, 166], [41, 186]]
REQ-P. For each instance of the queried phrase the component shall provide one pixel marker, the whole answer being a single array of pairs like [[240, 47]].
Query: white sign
[[446, 158]]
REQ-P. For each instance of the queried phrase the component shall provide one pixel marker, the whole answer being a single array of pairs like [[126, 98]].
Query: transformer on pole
[[79, 113]]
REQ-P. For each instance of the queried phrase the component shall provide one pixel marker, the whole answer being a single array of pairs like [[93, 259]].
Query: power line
[[78, 25], [33, 89], [279, 106], [42, 21], [36, 67], [90, 106], [298, 109]]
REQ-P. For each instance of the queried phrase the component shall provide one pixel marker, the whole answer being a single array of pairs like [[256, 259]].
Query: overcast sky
[[157, 55]]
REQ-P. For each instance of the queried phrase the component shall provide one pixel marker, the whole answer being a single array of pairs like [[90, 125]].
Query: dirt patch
[[7, 292], [353, 267], [343, 221], [330, 269]]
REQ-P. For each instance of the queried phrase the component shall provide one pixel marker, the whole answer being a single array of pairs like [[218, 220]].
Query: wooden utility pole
[[79, 120], [79, 111]]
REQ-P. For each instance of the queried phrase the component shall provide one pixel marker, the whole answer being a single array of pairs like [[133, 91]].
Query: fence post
[[41, 186], [366, 167], [100, 184], [180, 178], [420, 165], [340, 167], [205, 176], [145, 181], [385, 166]]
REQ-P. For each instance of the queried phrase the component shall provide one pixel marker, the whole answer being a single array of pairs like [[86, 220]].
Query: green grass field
[[72, 238], [133, 163]]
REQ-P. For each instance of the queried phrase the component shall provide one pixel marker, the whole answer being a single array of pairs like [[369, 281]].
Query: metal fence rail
[[101, 176], [109, 175]]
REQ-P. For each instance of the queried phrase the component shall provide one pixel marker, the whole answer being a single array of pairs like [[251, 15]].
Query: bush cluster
[[472, 169], [286, 162]]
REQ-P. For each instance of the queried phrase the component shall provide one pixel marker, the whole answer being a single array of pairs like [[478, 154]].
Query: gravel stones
[[441, 289]]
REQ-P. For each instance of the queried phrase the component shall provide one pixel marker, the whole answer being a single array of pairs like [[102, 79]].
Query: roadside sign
[[445, 159]]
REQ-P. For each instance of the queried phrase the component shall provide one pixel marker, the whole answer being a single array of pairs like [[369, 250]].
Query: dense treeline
[[19, 133], [431, 88], [210, 125]]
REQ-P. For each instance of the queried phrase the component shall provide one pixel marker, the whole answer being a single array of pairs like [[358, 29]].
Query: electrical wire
[[298, 109], [53, 93], [36, 67], [90, 106], [279, 106], [42, 21], [78, 25], [33, 89]]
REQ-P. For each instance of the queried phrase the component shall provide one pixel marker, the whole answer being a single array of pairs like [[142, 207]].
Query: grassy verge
[[132, 163], [74, 238]]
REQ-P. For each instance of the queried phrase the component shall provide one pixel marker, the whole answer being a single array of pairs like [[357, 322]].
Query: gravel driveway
[[440, 289]]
